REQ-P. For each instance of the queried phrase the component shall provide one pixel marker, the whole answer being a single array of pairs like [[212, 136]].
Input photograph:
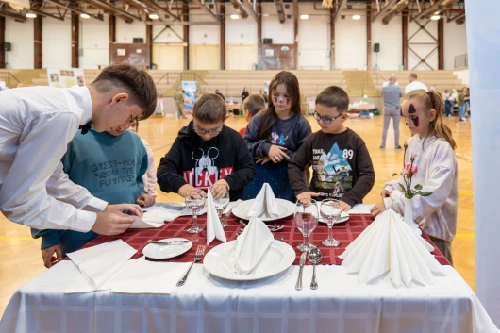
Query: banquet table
[[211, 304]]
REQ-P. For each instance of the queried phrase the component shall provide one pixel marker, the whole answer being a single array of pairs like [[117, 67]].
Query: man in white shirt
[[414, 84], [36, 124]]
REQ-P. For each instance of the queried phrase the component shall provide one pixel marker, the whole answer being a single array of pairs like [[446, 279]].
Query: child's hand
[[385, 194], [378, 209], [220, 191], [185, 189], [345, 207], [48, 255], [146, 200], [133, 209], [307, 195], [277, 153], [262, 161]]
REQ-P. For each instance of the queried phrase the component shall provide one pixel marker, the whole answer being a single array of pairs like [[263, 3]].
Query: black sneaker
[[382, 147], [398, 148]]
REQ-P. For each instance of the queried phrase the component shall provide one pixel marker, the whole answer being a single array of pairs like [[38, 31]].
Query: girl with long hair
[[274, 135]]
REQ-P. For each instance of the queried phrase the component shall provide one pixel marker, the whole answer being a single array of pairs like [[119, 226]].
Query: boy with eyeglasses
[[342, 167], [206, 152]]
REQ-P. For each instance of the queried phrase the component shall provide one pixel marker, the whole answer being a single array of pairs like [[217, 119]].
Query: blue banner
[[189, 88]]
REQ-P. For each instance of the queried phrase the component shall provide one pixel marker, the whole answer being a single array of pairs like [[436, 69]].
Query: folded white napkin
[[252, 244], [144, 276], [231, 205], [390, 245], [98, 263], [264, 203], [214, 227], [361, 209], [155, 217]]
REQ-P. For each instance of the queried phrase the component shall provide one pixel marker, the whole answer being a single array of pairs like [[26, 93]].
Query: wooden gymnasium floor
[[21, 255]]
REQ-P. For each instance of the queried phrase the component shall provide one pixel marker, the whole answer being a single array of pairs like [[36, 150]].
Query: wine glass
[[306, 220], [331, 210], [195, 200], [220, 194]]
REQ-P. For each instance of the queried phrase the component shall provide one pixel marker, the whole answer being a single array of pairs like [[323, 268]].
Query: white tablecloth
[[208, 304]]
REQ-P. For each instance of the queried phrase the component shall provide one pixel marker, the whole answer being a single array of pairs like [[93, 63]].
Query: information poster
[[189, 88]]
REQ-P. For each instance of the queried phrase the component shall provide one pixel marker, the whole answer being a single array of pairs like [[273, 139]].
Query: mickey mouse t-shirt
[[342, 167]]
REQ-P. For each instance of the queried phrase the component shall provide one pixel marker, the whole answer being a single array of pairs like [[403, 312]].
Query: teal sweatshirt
[[110, 167]]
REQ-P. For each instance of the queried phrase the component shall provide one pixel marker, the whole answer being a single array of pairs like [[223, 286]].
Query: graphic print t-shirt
[[342, 167]]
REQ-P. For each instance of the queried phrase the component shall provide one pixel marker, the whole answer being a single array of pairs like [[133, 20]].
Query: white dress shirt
[[149, 178], [415, 85], [36, 124], [437, 173]]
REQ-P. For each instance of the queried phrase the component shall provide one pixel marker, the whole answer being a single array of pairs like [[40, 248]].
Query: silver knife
[[302, 262], [172, 242]]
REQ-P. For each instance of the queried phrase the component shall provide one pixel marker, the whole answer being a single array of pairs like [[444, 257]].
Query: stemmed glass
[[331, 210], [220, 194], [195, 200], [306, 220]]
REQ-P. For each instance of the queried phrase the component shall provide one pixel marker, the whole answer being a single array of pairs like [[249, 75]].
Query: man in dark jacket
[[206, 152]]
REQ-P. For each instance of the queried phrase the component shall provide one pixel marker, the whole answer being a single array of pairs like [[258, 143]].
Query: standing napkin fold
[[252, 244], [214, 227], [264, 203], [98, 263]]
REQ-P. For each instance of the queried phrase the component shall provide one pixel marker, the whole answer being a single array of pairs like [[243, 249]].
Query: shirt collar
[[83, 100]]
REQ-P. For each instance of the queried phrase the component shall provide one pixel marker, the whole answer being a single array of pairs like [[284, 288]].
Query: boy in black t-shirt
[[342, 167]]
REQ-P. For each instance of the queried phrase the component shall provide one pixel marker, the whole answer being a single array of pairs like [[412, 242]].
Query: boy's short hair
[[209, 109], [333, 97], [254, 103], [136, 83]]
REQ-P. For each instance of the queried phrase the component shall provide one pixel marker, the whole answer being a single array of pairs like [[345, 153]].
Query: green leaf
[[424, 194], [394, 174], [418, 187], [409, 195], [402, 188]]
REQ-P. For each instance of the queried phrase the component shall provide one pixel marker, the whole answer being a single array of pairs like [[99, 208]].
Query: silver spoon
[[315, 257], [272, 228]]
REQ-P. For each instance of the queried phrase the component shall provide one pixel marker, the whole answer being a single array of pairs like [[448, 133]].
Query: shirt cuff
[[84, 220], [96, 205]]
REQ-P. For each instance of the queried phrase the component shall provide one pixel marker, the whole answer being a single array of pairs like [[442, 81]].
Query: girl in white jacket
[[433, 147]]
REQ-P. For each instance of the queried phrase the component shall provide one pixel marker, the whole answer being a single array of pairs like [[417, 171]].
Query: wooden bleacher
[[441, 80]]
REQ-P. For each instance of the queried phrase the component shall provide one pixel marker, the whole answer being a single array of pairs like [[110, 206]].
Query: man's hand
[[345, 207], [112, 222], [277, 153], [378, 209], [146, 200], [133, 209], [185, 189], [48, 257]]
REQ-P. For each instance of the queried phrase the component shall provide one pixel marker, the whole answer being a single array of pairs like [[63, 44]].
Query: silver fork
[[200, 251]]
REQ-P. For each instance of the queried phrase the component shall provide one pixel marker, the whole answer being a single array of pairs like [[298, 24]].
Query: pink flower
[[414, 170], [406, 170]]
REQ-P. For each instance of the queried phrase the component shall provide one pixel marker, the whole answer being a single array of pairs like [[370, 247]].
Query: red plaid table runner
[[346, 233]]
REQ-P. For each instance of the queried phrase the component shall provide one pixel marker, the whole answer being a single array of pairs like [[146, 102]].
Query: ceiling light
[[85, 16], [30, 15], [235, 16], [304, 17], [435, 17], [356, 17], [154, 16]]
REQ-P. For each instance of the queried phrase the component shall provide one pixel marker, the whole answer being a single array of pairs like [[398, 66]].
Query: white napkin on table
[[265, 203], [144, 276], [98, 263], [231, 205], [155, 217], [252, 244], [214, 227], [389, 245]]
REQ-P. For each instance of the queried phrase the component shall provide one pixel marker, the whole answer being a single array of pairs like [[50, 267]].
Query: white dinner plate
[[285, 209], [221, 261], [343, 218], [155, 251]]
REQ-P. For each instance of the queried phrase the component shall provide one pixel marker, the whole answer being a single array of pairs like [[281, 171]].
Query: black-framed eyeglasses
[[205, 132], [326, 119]]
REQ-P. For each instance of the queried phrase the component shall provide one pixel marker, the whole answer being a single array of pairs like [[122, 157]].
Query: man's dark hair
[[209, 109], [333, 97], [136, 83]]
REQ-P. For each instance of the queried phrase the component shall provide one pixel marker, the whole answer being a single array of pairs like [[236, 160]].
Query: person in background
[[206, 152], [414, 84], [467, 101], [220, 94], [244, 94], [391, 94], [264, 95], [274, 135], [159, 105], [433, 149], [447, 104], [120, 180], [179, 103], [341, 163], [461, 104], [303, 103], [149, 178], [251, 106]]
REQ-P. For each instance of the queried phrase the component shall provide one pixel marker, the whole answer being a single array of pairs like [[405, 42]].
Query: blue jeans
[[462, 110], [447, 108]]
